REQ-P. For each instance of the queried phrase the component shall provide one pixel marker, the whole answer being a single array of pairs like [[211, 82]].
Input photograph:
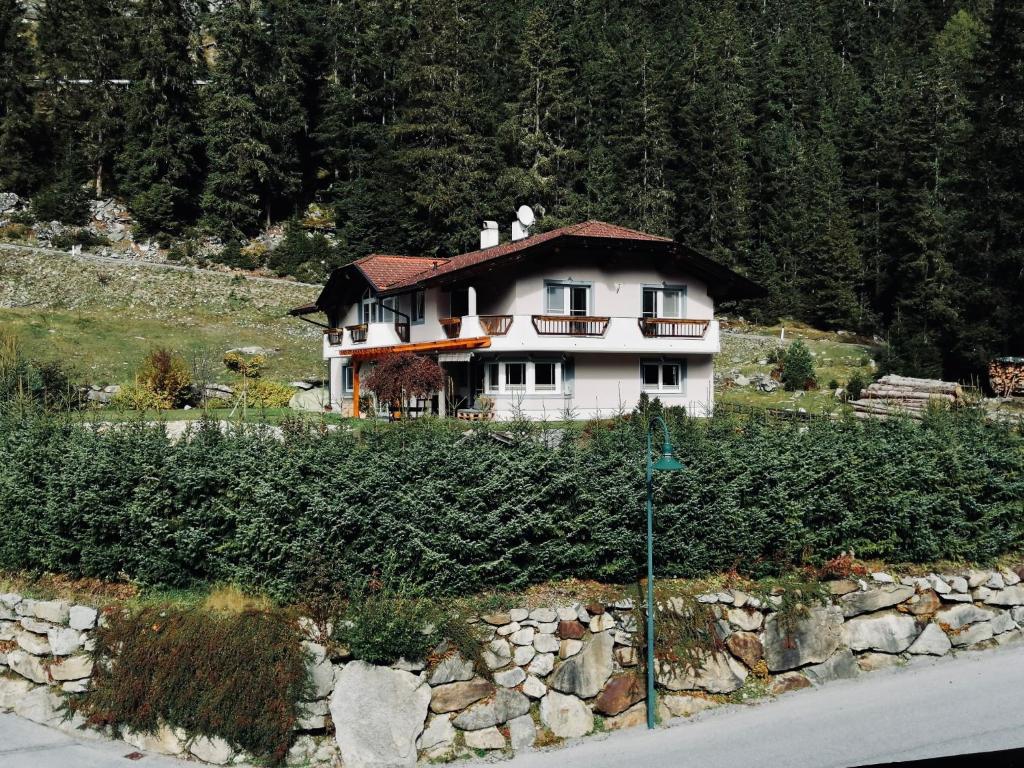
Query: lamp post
[[667, 463]]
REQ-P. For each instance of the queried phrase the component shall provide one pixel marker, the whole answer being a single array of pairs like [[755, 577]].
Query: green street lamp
[[667, 463]]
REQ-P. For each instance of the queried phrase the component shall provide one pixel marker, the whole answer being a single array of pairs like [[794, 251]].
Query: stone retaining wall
[[551, 673]]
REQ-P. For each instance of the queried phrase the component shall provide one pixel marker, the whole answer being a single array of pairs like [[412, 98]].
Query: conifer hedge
[[458, 514]]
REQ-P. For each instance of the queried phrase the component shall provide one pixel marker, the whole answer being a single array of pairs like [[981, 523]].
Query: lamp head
[[668, 461]]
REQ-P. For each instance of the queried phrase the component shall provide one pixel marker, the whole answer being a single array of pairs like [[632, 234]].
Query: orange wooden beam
[[355, 390], [476, 342]]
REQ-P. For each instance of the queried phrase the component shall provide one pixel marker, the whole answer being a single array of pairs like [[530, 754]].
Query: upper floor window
[[417, 309], [664, 302], [567, 299], [374, 310]]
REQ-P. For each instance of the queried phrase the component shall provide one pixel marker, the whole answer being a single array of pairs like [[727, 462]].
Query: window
[[518, 377], [417, 307], [459, 302], [374, 310], [567, 299], [660, 377], [346, 378], [664, 302]]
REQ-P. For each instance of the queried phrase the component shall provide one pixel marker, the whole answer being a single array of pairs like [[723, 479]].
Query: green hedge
[[459, 514]]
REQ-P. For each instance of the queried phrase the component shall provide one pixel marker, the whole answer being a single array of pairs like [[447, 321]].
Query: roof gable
[[384, 271]]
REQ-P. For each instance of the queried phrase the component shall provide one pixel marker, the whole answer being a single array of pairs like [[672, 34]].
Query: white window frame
[[417, 307], [661, 388], [530, 386], [565, 287], [659, 292], [346, 378]]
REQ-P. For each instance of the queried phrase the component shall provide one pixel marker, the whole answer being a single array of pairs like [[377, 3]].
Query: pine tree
[[20, 157], [159, 164]]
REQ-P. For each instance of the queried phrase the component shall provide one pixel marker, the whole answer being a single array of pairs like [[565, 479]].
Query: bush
[[163, 382], [237, 676], [855, 386], [83, 237], [307, 257], [236, 257], [266, 394], [65, 202], [798, 367], [43, 384], [462, 514], [397, 377]]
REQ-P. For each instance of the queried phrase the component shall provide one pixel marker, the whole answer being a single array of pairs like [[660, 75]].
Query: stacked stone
[[45, 645]]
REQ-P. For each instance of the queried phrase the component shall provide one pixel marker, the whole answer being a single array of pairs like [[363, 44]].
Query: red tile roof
[[385, 270]]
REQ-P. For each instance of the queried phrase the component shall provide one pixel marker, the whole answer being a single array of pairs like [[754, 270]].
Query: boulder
[[568, 648], [510, 678], [1002, 622], [931, 642], [321, 674], [518, 614], [498, 619], [842, 587], [841, 665], [602, 622], [311, 716], [871, 662], [64, 641], [571, 630], [453, 697], [542, 664], [378, 715], [745, 646], [621, 692], [71, 668], [686, 706], [485, 738], [82, 617], [939, 585], [959, 616], [523, 655], [585, 673], [788, 681], [544, 615], [746, 620], [32, 643], [923, 604], [28, 666], [533, 687], [975, 633], [56, 611], [856, 603], [452, 669], [627, 657], [522, 732], [12, 689], [35, 625], [505, 705], [633, 717], [1011, 596], [811, 640], [211, 750], [886, 632], [165, 741], [497, 654], [715, 673], [438, 737], [523, 636], [566, 613], [40, 705], [508, 629], [566, 716], [546, 643]]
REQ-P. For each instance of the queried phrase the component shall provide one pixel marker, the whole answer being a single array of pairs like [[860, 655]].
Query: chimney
[[489, 235]]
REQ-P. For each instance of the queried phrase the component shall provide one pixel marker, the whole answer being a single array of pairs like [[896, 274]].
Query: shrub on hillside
[[798, 367], [45, 384], [64, 201], [266, 394], [237, 676], [302, 255], [162, 382], [855, 386], [82, 236]]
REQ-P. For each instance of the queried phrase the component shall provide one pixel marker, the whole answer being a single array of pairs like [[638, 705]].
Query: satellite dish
[[525, 216]]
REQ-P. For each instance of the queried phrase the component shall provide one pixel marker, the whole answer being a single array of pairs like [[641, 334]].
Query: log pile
[[904, 396], [1006, 375]]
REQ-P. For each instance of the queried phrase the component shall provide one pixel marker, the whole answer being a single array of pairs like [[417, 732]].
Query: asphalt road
[[932, 708]]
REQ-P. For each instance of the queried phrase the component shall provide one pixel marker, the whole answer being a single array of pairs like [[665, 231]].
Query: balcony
[[452, 326], [357, 333], [663, 327], [495, 325], [335, 336], [570, 325]]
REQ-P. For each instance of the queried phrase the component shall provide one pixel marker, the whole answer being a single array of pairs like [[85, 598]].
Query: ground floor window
[[659, 376], [346, 378], [523, 377]]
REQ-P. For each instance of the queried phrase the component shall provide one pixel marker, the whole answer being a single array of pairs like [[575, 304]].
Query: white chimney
[[489, 235]]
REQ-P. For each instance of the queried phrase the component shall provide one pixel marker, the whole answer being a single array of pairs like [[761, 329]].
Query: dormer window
[[567, 298], [668, 302]]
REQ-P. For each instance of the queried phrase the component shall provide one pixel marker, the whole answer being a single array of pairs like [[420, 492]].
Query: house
[[577, 321]]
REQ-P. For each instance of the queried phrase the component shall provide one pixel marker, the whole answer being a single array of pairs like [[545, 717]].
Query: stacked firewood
[[1006, 375], [901, 395]]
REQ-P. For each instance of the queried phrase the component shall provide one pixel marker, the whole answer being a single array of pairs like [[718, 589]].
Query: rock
[[35, 625], [995, 581], [708, 599], [621, 692], [510, 678], [715, 674], [547, 627], [568, 648], [565, 716], [7, 631], [509, 629], [8, 201], [1010, 578], [571, 630], [856, 603], [622, 638], [56, 611], [958, 583], [748, 621], [12, 689], [977, 578], [453, 697], [437, 738], [321, 675], [959, 616], [543, 615], [931, 642], [546, 643], [871, 662], [211, 750], [882, 578], [533, 687], [601, 622], [166, 740], [523, 654], [82, 617], [938, 584], [975, 633], [63, 641], [685, 706], [745, 646], [924, 604], [378, 714], [40, 705], [627, 657], [451, 669], [566, 613], [505, 705], [887, 632], [585, 674], [71, 668], [485, 738], [542, 664], [1002, 622], [841, 665], [497, 654], [75, 686], [518, 614], [311, 716], [633, 717], [522, 732], [1014, 636], [27, 665], [788, 681], [956, 597], [523, 636], [1017, 614], [594, 609], [32, 643], [814, 638], [1011, 596], [409, 666]]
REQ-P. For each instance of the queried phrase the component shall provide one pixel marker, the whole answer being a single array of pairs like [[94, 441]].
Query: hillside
[[104, 317]]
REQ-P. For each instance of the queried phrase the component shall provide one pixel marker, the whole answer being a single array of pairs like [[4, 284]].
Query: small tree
[[398, 376], [162, 382], [798, 367], [855, 386]]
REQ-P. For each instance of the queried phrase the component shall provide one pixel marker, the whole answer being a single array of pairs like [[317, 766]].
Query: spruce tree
[[20, 158]]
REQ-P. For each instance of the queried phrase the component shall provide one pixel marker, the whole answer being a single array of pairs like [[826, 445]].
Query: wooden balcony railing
[[357, 332], [570, 325], [495, 325], [452, 326], [402, 329], [335, 336], [658, 327]]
